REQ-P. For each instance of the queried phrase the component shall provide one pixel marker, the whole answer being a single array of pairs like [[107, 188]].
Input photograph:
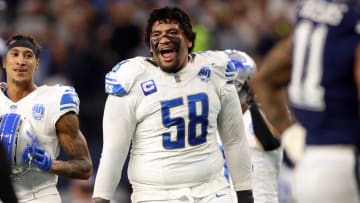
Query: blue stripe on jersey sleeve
[[112, 86], [70, 100]]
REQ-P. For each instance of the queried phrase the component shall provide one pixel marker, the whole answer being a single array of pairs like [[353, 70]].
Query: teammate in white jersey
[[265, 150], [52, 112], [169, 109]]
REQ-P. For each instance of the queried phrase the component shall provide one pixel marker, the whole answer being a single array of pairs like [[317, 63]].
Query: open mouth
[[167, 53]]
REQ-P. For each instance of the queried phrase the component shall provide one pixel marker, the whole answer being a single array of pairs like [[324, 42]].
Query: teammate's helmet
[[19, 142], [245, 71]]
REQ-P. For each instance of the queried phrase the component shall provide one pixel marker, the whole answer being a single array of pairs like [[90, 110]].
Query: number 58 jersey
[[172, 118]]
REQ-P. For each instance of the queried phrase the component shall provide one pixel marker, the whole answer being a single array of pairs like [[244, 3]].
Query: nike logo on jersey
[[219, 195]]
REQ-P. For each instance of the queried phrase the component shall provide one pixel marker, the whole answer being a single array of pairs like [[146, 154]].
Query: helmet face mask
[[243, 90], [19, 142], [242, 82]]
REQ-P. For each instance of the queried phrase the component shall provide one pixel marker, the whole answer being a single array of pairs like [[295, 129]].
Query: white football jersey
[[172, 119], [265, 165], [249, 130], [42, 107]]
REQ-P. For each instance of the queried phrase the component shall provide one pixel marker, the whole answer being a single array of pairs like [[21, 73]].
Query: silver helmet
[[19, 142], [246, 69]]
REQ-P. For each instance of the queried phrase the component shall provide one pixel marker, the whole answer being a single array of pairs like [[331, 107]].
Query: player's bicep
[[71, 139]]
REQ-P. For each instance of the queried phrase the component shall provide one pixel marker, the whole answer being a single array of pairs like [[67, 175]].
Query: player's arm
[[118, 127], [270, 82], [232, 134], [74, 145], [357, 71], [265, 133]]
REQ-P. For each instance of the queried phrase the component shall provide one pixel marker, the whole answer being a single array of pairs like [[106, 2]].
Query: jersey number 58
[[194, 119]]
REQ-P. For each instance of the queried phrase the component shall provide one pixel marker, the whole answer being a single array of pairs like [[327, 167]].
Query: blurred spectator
[[125, 34]]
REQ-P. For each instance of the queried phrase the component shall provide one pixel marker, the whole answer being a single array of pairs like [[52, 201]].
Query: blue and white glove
[[41, 159], [27, 155], [29, 151]]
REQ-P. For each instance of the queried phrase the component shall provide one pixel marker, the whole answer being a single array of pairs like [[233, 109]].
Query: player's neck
[[16, 92]]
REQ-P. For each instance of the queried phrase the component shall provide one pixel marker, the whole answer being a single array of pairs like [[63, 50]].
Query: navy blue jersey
[[322, 91]]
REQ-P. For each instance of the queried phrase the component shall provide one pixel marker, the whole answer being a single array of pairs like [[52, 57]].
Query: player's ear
[[37, 64], [189, 44]]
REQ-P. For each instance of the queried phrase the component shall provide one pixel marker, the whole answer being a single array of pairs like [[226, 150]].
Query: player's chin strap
[[261, 130]]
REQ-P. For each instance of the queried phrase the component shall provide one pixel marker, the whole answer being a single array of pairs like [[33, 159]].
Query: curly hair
[[171, 14]]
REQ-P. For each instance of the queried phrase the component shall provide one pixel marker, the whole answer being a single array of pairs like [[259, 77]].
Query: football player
[[320, 66], [265, 150], [52, 112], [170, 107]]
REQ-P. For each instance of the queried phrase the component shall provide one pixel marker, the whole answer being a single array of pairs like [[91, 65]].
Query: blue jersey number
[[197, 116]]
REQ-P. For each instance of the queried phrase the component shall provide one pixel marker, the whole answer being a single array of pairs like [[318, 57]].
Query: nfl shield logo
[[13, 108], [38, 111], [177, 78]]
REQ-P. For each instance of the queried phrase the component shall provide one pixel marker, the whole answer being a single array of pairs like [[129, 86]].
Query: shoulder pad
[[69, 99], [122, 77]]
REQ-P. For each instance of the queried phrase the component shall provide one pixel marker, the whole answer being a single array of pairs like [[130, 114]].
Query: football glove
[[293, 142], [41, 159]]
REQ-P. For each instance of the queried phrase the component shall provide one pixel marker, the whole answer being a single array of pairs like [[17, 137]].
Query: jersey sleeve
[[234, 140], [69, 100], [123, 76], [119, 124], [62, 99], [230, 122]]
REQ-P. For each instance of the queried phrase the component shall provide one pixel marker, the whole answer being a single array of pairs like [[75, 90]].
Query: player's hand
[[28, 153], [293, 142], [27, 156], [41, 159]]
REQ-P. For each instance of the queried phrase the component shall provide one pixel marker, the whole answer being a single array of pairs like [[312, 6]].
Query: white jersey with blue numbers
[[172, 121], [42, 107]]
